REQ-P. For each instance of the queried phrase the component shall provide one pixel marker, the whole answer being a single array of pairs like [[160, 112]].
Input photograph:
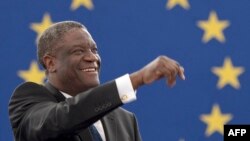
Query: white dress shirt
[[126, 93]]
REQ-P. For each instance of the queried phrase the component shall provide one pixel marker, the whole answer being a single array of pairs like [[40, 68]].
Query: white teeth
[[89, 70]]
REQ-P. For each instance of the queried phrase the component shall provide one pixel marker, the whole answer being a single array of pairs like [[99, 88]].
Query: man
[[73, 106]]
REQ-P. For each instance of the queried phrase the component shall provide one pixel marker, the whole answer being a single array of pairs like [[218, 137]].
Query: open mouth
[[90, 69]]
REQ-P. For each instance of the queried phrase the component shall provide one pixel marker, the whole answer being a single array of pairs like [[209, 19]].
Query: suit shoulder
[[25, 96], [29, 90], [27, 85]]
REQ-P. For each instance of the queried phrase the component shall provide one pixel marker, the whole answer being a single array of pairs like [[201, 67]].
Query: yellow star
[[213, 28], [228, 74], [34, 74], [172, 3], [40, 27], [77, 3], [215, 120]]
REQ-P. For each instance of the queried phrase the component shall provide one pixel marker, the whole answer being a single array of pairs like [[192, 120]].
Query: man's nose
[[90, 56]]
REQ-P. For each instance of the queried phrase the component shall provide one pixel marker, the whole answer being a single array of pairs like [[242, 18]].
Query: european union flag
[[210, 38]]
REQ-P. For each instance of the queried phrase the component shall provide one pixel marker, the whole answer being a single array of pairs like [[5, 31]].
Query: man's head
[[69, 54]]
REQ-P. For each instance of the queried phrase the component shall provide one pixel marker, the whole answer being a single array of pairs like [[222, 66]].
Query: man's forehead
[[79, 31], [77, 36]]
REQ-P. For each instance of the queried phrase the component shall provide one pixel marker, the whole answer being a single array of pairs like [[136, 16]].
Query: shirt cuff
[[125, 89]]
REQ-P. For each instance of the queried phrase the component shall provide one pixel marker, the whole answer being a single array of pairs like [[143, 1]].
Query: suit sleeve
[[35, 114]]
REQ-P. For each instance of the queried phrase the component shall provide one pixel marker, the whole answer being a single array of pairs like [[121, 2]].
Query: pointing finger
[[181, 73]]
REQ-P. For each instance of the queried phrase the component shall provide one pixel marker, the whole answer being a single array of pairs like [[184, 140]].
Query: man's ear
[[50, 63]]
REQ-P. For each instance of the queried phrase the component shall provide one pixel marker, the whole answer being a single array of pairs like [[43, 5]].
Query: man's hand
[[161, 67]]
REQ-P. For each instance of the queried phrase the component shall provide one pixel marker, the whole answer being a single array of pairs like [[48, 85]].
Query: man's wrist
[[136, 79]]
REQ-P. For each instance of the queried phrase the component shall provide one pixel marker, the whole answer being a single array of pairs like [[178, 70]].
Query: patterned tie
[[95, 134]]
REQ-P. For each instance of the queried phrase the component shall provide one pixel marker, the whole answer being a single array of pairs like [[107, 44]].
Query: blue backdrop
[[210, 38]]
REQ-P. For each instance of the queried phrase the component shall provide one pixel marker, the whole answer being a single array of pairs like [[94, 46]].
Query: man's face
[[77, 61]]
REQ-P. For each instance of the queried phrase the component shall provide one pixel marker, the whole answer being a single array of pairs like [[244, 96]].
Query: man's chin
[[91, 84], [95, 84]]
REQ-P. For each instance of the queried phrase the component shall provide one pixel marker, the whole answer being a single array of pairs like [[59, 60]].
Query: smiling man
[[73, 105], [73, 64]]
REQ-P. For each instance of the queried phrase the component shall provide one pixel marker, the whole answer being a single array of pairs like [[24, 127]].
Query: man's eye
[[94, 50], [78, 51]]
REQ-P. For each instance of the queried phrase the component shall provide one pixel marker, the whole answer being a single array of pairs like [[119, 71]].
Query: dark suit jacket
[[39, 113]]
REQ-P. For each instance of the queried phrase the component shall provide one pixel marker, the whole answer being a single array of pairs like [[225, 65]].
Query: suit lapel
[[110, 128], [56, 93], [85, 134]]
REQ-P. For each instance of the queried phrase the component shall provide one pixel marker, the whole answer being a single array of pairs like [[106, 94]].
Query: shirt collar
[[66, 95]]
